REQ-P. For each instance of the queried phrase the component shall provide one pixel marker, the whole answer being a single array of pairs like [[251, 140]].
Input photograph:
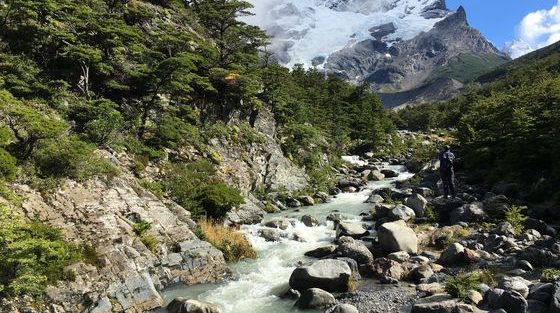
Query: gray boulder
[[329, 275], [440, 303], [315, 298], [389, 173], [321, 251], [515, 283], [417, 203], [348, 247], [376, 175], [181, 305], [453, 254], [374, 198], [402, 212], [354, 230], [555, 302], [309, 220], [469, 213], [281, 223], [395, 237]]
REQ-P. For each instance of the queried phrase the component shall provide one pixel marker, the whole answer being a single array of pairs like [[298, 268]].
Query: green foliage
[[459, 285], [8, 169], [150, 242], [155, 187], [217, 199], [550, 275], [466, 67], [515, 217], [98, 120], [69, 157], [33, 255], [173, 132], [141, 227]]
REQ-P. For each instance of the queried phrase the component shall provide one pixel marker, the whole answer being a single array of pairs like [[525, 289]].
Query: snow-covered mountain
[[307, 30], [400, 47]]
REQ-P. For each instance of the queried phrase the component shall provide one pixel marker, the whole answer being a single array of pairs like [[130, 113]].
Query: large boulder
[[280, 223], [329, 275], [496, 206], [375, 199], [376, 175], [395, 236], [181, 305], [307, 200], [315, 298], [321, 251], [390, 173], [402, 212], [468, 213], [417, 203], [348, 247], [555, 302], [515, 283], [354, 230]]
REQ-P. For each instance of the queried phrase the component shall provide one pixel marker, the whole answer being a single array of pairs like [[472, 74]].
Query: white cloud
[[537, 29]]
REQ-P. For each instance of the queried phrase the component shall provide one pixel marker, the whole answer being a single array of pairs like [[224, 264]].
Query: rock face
[[329, 275], [181, 305], [395, 237], [101, 213], [262, 165]]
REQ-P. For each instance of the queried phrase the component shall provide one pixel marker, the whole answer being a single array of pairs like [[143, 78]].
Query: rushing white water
[[259, 283]]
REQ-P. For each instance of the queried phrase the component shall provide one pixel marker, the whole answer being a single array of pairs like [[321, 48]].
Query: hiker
[[447, 172]]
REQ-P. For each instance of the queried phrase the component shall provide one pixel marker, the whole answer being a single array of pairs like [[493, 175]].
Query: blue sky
[[530, 23]]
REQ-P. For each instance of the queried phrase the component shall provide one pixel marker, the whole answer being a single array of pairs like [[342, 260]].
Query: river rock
[[309, 221], [342, 308], [385, 268], [389, 173], [321, 251], [382, 210], [516, 283], [441, 303], [329, 275], [453, 254], [512, 302], [555, 302], [395, 236], [417, 203], [293, 203], [181, 305], [315, 298], [402, 212], [348, 247], [469, 213], [354, 230], [541, 291], [375, 199], [278, 223], [376, 175], [431, 288], [270, 234], [421, 272], [307, 200], [474, 297], [400, 256]]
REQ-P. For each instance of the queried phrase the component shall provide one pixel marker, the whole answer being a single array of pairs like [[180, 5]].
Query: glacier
[[308, 31]]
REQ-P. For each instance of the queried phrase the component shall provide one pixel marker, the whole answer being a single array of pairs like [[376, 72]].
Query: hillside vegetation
[[507, 130], [146, 78]]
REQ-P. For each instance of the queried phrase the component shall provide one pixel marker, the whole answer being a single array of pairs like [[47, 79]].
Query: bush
[[141, 227], [8, 167], [150, 242], [33, 255], [69, 157], [218, 199], [99, 120], [516, 219], [234, 245], [550, 275], [173, 132], [459, 285]]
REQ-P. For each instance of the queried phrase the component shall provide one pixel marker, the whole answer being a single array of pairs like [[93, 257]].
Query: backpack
[[446, 161]]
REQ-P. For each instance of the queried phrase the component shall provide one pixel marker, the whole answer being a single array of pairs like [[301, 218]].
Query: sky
[[517, 26]]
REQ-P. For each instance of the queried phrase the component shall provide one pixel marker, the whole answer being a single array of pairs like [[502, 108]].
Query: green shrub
[[155, 187], [516, 219], [550, 275], [8, 169], [33, 255], [141, 227], [173, 132], [99, 120], [70, 157], [218, 199], [459, 285]]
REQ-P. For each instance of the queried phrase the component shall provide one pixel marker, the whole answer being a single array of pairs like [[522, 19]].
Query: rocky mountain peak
[[459, 18]]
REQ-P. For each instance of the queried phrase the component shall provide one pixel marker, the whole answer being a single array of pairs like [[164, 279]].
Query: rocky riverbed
[[405, 248]]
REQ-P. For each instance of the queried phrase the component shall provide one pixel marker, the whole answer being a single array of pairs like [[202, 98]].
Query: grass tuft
[[233, 244]]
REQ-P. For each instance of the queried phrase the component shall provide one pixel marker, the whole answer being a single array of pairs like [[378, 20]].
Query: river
[[258, 283]]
